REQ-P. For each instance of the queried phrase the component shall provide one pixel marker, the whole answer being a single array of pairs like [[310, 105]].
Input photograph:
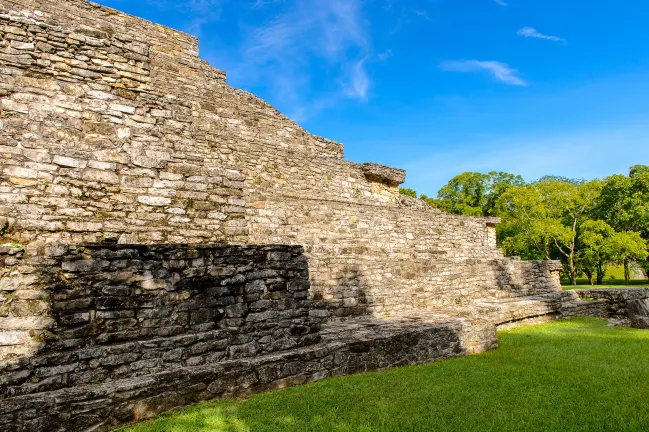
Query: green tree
[[546, 217], [525, 218], [463, 194], [428, 200], [475, 194], [624, 203], [408, 192], [498, 184], [625, 247], [640, 177], [562, 179], [592, 257]]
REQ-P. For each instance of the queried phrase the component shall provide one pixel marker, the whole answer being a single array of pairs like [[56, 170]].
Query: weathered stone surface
[[345, 350], [625, 306], [177, 156], [383, 174], [165, 305], [112, 130]]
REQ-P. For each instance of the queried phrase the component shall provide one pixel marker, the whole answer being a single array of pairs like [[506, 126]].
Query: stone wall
[[381, 261], [102, 334], [81, 130], [97, 335], [110, 312], [113, 129], [628, 307], [113, 133], [102, 405]]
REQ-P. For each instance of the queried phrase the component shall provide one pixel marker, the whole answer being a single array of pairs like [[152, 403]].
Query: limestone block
[[383, 174], [154, 200]]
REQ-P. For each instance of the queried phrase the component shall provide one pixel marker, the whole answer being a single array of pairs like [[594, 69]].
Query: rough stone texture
[[114, 132], [625, 306], [125, 331], [384, 174], [113, 129], [125, 311], [95, 407], [120, 332], [385, 262], [105, 334]]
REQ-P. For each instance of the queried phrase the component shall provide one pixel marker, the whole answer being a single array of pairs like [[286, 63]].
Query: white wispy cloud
[[205, 6], [531, 32], [501, 2], [423, 14], [385, 55], [499, 71], [199, 12], [325, 34], [357, 82], [258, 4]]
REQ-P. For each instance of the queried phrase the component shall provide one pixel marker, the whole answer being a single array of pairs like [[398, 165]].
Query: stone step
[[349, 347]]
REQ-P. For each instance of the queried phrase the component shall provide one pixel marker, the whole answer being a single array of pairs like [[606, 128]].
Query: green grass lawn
[[578, 375], [608, 283]]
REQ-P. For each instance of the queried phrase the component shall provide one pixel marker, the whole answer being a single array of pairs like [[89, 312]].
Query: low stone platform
[[349, 346], [360, 345]]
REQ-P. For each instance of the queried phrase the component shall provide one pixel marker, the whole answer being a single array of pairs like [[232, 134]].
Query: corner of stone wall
[[384, 181]]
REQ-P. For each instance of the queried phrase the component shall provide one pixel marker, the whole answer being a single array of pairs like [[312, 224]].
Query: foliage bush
[[408, 192]]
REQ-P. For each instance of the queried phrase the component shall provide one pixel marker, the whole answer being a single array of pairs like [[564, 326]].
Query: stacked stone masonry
[[114, 130], [167, 238], [128, 311]]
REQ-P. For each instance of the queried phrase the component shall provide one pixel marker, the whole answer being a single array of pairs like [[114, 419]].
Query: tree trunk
[[573, 269], [627, 275], [600, 273], [571, 257], [589, 276]]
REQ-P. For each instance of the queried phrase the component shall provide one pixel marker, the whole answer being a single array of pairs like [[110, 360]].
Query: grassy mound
[[577, 375]]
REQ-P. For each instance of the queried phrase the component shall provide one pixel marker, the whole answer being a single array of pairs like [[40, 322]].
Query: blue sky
[[439, 87]]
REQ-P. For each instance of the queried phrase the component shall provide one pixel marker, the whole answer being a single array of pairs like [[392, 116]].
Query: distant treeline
[[585, 224]]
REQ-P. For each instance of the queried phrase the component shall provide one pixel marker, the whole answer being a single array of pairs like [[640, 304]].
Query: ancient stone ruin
[[168, 239]]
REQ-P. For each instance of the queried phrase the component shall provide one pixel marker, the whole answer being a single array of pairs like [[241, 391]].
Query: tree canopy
[[475, 194], [585, 224]]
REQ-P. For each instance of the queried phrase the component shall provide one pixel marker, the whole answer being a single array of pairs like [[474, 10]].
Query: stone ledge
[[383, 174], [99, 407], [347, 347], [617, 294]]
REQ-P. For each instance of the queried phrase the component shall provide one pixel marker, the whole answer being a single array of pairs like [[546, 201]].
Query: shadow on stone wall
[[354, 301], [123, 311], [506, 281], [324, 405], [520, 278], [143, 329]]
